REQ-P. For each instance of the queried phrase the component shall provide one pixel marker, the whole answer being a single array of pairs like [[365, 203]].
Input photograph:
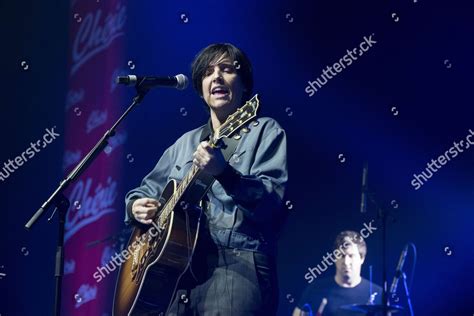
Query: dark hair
[[352, 237], [214, 51]]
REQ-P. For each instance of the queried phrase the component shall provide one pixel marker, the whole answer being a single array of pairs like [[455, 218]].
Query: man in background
[[346, 287]]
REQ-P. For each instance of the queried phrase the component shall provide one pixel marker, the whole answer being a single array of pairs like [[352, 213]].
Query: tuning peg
[[237, 136], [245, 129], [255, 123]]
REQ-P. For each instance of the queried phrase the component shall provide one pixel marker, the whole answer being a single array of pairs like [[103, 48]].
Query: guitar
[[159, 254]]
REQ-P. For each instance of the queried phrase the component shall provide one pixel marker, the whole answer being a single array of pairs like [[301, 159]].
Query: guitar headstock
[[239, 118]]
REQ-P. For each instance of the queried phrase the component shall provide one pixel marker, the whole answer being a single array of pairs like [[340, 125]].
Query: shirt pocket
[[179, 170]]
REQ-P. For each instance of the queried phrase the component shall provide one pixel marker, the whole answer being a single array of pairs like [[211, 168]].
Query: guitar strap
[[204, 181]]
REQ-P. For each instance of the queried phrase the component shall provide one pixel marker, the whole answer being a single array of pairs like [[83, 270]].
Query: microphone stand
[[383, 216], [61, 203]]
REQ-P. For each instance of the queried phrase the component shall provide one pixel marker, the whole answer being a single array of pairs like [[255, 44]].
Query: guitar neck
[[183, 186]]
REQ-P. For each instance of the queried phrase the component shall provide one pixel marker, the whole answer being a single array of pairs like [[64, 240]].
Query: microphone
[[363, 198], [179, 82], [398, 271]]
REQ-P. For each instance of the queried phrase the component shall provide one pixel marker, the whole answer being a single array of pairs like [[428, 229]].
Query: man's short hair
[[349, 236], [211, 54]]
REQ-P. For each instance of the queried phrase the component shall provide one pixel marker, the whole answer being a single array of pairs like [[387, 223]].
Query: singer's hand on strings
[[209, 159], [144, 210]]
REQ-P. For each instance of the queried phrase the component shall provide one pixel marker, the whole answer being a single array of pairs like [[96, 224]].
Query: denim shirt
[[245, 203]]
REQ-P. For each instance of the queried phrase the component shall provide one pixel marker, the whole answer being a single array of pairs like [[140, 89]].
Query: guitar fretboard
[[178, 194]]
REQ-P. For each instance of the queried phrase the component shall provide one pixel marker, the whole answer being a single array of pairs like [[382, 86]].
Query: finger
[[201, 156], [199, 149], [197, 163], [150, 214], [150, 201], [140, 209], [203, 144], [136, 211], [140, 202], [143, 209], [139, 218], [151, 209], [148, 222], [206, 148], [205, 160], [142, 219], [157, 204]]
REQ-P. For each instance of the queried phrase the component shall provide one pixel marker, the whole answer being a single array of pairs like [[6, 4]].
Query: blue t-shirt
[[337, 296]]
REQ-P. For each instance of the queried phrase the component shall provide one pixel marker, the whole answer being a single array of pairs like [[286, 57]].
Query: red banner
[[96, 48]]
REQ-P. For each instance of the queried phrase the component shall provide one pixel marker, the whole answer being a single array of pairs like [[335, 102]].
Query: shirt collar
[[207, 131]]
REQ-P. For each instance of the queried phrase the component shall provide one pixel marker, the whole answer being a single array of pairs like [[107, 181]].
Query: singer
[[347, 286], [233, 266]]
